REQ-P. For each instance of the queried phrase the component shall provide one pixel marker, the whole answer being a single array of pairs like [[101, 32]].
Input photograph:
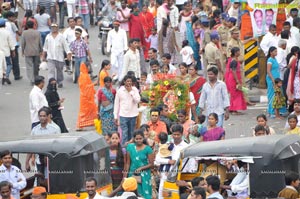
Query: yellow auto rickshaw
[[71, 158], [267, 158]]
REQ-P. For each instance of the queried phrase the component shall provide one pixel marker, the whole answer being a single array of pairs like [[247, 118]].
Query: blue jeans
[[78, 61], [43, 36], [8, 66], [86, 20], [220, 120], [127, 125]]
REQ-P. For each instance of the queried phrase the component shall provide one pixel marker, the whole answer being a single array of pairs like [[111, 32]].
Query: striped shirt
[[79, 48]]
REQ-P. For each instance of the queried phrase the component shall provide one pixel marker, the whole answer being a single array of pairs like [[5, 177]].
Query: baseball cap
[[235, 30], [225, 16], [214, 35], [2, 22], [204, 21], [232, 20]]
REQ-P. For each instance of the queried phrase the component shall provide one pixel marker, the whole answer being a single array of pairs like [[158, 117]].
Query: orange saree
[[87, 108]]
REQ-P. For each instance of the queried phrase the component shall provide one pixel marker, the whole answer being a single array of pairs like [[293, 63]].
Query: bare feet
[[279, 118], [236, 113], [251, 104]]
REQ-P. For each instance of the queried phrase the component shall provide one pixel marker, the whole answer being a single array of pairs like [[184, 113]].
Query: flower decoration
[[170, 91]]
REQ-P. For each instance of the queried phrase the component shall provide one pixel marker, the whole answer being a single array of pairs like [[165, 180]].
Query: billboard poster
[[263, 14]]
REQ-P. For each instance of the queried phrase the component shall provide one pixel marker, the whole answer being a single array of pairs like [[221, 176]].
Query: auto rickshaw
[[71, 158], [268, 158]]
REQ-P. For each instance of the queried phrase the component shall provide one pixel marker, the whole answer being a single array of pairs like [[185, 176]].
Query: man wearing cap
[[223, 31], [235, 41], [7, 47], [117, 45], [39, 193], [55, 46], [204, 40], [212, 53]]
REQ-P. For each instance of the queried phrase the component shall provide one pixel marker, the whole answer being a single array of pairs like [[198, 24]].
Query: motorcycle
[[105, 26]]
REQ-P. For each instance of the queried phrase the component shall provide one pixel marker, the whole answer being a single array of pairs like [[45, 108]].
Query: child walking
[[153, 39], [187, 53], [279, 99]]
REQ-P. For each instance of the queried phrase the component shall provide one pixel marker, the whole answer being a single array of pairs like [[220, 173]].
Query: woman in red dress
[[234, 83], [147, 21], [135, 25]]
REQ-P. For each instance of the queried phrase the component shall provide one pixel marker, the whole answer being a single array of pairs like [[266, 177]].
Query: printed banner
[[263, 14]]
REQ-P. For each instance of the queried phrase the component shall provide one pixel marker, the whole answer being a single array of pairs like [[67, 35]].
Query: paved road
[[14, 105]]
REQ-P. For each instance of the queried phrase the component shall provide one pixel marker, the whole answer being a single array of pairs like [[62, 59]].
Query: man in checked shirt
[[81, 50]]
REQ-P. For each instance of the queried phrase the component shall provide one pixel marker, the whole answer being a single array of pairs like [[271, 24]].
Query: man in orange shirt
[[155, 124]]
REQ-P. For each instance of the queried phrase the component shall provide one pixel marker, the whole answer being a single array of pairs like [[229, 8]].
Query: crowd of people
[[143, 47]]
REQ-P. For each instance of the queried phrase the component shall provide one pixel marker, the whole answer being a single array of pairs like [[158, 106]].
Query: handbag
[[98, 126]]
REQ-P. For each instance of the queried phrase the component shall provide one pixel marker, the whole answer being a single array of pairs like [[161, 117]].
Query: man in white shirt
[[293, 14], [295, 31], [270, 39], [173, 15], [90, 187], [117, 45], [69, 33], [240, 184], [281, 56], [43, 128], [12, 174], [8, 47], [126, 107], [132, 60], [37, 100], [179, 145], [162, 12], [55, 46]]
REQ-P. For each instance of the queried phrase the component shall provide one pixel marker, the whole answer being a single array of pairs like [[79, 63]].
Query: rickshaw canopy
[[276, 147], [71, 144]]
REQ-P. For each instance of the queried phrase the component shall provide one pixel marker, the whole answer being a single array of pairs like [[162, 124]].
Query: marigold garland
[[170, 91]]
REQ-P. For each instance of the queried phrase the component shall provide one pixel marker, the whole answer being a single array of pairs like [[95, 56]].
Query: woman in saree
[[285, 83], [293, 84], [233, 80], [272, 73], [147, 21], [190, 26], [185, 16], [87, 108], [55, 103], [138, 164], [196, 84], [212, 132], [106, 98]]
